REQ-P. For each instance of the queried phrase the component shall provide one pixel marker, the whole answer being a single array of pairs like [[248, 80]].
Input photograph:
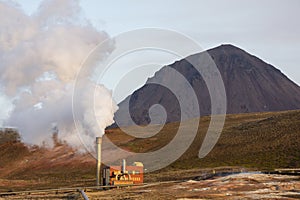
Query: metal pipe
[[124, 166], [85, 197], [98, 150]]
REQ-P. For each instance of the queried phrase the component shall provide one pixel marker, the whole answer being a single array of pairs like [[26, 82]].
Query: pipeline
[[84, 195]]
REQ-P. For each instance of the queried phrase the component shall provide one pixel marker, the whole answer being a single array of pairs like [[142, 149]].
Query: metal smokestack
[[124, 166], [98, 151]]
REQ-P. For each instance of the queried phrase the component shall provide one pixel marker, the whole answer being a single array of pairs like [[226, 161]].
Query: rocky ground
[[240, 186], [237, 186]]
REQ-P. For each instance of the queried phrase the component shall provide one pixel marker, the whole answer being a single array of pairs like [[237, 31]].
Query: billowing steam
[[41, 55]]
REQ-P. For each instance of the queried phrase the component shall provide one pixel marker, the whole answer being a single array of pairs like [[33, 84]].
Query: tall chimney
[[123, 166], [98, 151]]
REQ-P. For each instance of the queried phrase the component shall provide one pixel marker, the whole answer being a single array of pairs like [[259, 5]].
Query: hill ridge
[[251, 84]]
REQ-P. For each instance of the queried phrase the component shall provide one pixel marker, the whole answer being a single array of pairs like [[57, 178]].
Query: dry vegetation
[[261, 141]]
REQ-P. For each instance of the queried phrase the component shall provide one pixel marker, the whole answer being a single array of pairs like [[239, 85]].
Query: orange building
[[114, 175]]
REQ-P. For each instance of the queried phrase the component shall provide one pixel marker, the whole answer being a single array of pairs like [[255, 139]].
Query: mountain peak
[[228, 46], [251, 86], [227, 49]]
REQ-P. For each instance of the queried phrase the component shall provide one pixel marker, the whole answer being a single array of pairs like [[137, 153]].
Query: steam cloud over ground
[[41, 55]]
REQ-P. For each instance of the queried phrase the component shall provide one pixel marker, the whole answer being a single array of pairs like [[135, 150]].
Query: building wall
[[136, 173]]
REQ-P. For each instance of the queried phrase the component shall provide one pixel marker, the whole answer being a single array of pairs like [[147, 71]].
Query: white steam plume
[[40, 57]]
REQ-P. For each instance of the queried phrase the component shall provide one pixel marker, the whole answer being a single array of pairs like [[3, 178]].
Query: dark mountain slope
[[251, 86]]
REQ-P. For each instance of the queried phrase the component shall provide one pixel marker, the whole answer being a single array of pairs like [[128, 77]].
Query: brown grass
[[258, 140]]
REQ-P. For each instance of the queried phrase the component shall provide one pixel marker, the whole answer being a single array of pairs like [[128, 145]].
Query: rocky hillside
[[251, 86]]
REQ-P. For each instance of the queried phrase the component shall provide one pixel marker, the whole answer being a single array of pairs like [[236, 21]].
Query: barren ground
[[235, 186]]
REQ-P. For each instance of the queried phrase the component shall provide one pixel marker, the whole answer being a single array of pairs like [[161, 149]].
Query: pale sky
[[268, 29]]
